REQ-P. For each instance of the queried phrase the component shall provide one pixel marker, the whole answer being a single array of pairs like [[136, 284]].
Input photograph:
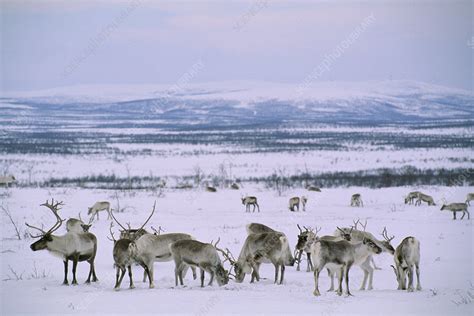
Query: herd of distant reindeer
[[347, 247]]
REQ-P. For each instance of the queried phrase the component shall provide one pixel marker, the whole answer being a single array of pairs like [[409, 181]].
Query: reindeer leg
[[145, 275], [194, 273], [202, 277], [276, 272], [454, 215], [317, 269], [258, 207], [91, 268], [150, 275], [300, 253], [117, 278], [130, 276], [331, 275], [212, 278], [310, 263], [65, 282], [74, 267], [347, 268], [418, 284], [410, 279], [339, 280], [282, 276]]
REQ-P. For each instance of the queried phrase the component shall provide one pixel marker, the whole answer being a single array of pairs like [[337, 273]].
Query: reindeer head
[[372, 246], [46, 237], [345, 233], [222, 275], [305, 236], [387, 242]]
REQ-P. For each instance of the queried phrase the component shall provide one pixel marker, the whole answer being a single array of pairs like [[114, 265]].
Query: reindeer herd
[[338, 253]]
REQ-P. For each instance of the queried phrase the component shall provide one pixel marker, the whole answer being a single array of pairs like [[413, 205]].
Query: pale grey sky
[[46, 44]]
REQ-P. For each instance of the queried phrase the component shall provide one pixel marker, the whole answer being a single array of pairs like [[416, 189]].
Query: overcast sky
[[47, 44]]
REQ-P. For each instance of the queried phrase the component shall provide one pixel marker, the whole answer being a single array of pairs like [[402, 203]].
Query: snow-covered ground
[[446, 254]]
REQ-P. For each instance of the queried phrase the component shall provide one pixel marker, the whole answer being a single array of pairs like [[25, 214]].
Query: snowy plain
[[446, 254]]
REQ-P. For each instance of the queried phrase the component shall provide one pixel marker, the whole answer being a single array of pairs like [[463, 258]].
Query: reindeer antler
[[355, 223], [215, 245], [317, 230], [111, 233], [298, 225], [385, 235], [227, 255], [364, 225], [157, 231], [54, 207], [149, 217], [112, 214]]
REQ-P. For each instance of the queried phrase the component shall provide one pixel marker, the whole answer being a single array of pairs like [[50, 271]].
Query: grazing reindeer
[[356, 200], [407, 256], [313, 188], [124, 253], [304, 200], [256, 228], [340, 255], [210, 189], [469, 198], [72, 246], [425, 198], [259, 248], [75, 225], [457, 207], [250, 200], [7, 180], [411, 197], [305, 239], [199, 255], [97, 207], [234, 186], [294, 203], [358, 236]]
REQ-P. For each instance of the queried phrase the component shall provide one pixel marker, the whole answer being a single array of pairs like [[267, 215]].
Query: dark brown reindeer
[[70, 247]]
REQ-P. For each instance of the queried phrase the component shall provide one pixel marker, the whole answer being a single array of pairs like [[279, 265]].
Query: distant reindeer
[[234, 186], [340, 255], [294, 203], [424, 198], [71, 246], [256, 228], [407, 257], [77, 225], [210, 189], [313, 188], [7, 180], [97, 207], [457, 207], [410, 198], [469, 198], [198, 255], [356, 200], [259, 248], [304, 200], [250, 200]]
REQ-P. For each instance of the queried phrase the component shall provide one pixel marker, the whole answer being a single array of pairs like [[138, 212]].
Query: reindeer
[[411, 197], [305, 239], [124, 253], [199, 255], [250, 200], [340, 255], [210, 189], [294, 203], [358, 236], [457, 207], [356, 200], [469, 198], [256, 228], [99, 206], [304, 200], [7, 180], [425, 198], [407, 256], [71, 246], [313, 188], [263, 248], [77, 225], [234, 186]]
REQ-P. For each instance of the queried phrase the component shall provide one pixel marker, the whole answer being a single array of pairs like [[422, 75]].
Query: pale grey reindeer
[[270, 247], [7, 180], [358, 236], [198, 255], [69, 247], [98, 207], [313, 188], [407, 257], [469, 198], [257, 228], [304, 200], [410, 198], [250, 200], [457, 207], [77, 225], [294, 203], [424, 198], [341, 255], [356, 200]]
